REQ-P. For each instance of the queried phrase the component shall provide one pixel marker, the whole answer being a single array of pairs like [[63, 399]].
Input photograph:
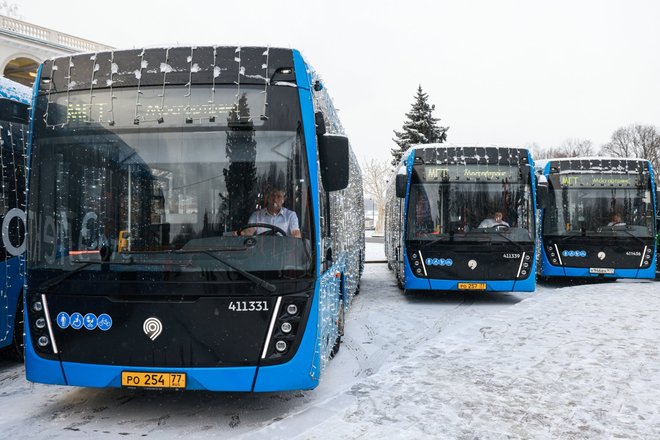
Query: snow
[[15, 91], [574, 362]]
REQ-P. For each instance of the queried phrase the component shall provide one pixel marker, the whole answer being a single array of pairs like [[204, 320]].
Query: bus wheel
[[340, 330]]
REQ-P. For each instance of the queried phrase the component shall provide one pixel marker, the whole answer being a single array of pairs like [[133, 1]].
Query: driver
[[493, 222], [616, 220], [274, 213]]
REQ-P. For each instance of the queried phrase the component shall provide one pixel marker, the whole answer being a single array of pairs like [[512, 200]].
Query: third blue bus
[[599, 221]]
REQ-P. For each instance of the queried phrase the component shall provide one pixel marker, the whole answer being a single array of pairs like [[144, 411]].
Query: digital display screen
[[471, 173]]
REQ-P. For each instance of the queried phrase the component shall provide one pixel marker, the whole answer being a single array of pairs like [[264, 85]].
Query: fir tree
[[241, 173], [419, 128]]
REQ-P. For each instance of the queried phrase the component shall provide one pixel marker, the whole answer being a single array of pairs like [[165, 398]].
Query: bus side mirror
[[541, 192], [524, 174], [333, 158], [401, 185], [320, 123]]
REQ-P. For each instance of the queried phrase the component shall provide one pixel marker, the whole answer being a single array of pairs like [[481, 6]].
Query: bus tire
[[340, 330]]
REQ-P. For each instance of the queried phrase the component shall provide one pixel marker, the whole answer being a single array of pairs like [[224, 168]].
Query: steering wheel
[[501, 228], [274, 230]]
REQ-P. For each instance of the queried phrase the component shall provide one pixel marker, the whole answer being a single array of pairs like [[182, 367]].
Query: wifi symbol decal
[[152, 327]]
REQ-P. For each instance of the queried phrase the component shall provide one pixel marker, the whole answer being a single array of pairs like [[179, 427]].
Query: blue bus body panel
[[297, 373], [211, 379], [550, 270], [10, 270], [38, 369], [415, 283]]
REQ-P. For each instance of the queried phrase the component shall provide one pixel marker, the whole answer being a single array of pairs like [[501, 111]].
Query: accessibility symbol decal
[[76, 321], [90, 321], [63, 319]]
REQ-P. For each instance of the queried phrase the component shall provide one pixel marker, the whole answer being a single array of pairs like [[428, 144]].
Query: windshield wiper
[[518, 245], [55, 281], [583, 233], [627, 232], [255, 279]]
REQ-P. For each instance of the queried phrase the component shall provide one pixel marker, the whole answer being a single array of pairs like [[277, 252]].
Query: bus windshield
[[174, 195], [613, 211], [467, 211]]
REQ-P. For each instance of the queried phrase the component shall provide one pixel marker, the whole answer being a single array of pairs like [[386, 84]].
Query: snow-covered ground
[[576, 362]]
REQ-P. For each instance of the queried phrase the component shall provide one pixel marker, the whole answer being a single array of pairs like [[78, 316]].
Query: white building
[[23, 46]]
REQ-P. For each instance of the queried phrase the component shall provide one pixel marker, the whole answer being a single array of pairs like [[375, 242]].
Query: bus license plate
[[601, 270], [471, 286], [153, 380]]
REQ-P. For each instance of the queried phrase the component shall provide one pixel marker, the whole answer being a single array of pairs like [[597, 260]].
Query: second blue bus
[[462, 219]]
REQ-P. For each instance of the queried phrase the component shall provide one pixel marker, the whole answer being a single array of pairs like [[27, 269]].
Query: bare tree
[[571, 147], [374, 175], [635, 141], [10, 10], [574, 147]]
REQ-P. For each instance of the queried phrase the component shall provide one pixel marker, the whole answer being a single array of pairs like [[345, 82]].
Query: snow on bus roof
[[450, 145], [599, 158], [14, 91], [595, 164]]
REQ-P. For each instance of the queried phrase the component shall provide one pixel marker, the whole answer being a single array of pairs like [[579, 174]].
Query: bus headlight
[[281, 346], [37, 306], [40, 323], [286, 327], [292, 309], [42, 341]]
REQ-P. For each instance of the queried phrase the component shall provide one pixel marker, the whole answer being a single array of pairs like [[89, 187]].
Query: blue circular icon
[[429, 261], [90, 321], [564, 253], [63, 319], [442, 262], [104, 322], [435, 262], [76, 321], [449, 262], [584, 253], [571, 253]]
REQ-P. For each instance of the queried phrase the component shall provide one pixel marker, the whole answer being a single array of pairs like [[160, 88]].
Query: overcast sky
[[499, 72]]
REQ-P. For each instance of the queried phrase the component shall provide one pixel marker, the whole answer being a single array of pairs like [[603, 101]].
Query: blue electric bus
[[599, 221], [14, 100], [462, 219], [196, 221]]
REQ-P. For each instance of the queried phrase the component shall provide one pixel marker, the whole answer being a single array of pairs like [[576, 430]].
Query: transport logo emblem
[[472, 264], [152, 327], [601, 255]]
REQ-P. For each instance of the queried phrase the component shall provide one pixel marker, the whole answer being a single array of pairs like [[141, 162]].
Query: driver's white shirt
[[286, 220], [490, 222]]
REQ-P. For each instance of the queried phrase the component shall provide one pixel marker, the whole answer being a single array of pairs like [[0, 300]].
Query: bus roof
[[14, 91], [180, 65], [591, 165]]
